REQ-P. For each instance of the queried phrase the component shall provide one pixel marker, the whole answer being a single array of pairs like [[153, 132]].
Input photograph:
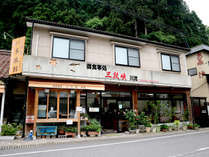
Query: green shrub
[[131, 117], [164, 127], [84, 128], [70, 129], [94, 125], [9, 129], [149, 124], [196, 125]]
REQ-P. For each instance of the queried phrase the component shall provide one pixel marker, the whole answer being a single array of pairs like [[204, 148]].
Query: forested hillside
[[168, 21]]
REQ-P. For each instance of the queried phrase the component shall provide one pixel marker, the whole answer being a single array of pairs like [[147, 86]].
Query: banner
[[16, 59]]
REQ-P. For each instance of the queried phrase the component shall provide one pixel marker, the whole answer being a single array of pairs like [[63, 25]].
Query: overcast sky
[[201, 7]]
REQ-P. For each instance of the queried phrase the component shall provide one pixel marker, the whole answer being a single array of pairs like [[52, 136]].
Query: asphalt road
[[195, 144]]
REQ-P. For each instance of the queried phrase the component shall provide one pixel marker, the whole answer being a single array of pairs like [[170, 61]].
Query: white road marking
[[203, 149], [103, 145], [192, 152]]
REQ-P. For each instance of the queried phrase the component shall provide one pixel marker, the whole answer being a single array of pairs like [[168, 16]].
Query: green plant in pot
[[9, 129], [176, 124], [148, 126], [61, 130], [93, 128], [131, 117], [84, 130], [190, 126], [196, 126], [184, 127], [164, 127], [70, 131]]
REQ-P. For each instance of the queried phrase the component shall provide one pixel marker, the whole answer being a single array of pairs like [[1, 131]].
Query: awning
[[66, 85], [1, 88]]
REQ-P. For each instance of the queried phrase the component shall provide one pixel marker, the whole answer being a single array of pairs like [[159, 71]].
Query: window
[[170, 62], [68, 48], [127, 56], [52, 101], [192, 71]]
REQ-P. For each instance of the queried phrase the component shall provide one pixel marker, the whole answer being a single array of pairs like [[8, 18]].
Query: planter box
[[93, 133], [7, 137], [72, 134]]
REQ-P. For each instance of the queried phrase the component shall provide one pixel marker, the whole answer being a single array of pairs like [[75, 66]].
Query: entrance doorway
[[114, 105]]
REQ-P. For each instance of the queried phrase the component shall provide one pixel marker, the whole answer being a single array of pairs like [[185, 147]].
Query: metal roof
[[198, 48]]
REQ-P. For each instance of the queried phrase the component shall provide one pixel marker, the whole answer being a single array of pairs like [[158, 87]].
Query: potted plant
[[184, 127], [141, 121], [158, 129], [176, 125], [94, 128], [70, 131], [9, 131], [164, 127], [61, 130], [196, 126], [131, 117], [148, 126], [190, 126], [83, 130]]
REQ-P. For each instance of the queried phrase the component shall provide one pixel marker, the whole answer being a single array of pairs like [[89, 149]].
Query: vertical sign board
[[16, 59]]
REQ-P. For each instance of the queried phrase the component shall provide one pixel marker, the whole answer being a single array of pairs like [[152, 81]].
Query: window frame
[[170, 55], [69, 39], [127, 56]]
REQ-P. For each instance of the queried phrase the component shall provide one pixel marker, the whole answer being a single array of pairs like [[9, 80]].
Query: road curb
[[21, 144]]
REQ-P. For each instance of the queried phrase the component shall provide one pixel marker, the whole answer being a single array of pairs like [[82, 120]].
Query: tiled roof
[[198, 48], [4, 63]]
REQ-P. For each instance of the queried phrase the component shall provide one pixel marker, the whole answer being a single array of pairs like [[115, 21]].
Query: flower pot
[[61, 132], [141, 128], [132, 131], [148, 129], [83, 133], [170, 129], [158, 128], [72, 134], [154, 129], [93, 133], [137, 131], [164, 130], [184, 128]]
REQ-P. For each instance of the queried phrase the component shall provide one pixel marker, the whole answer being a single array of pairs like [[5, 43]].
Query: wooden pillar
[[135, 100], [78, 112], [35, 111], [189, 105], [58, 104]]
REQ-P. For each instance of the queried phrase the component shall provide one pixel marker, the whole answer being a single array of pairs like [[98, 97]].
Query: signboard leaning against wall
[[16, 59]]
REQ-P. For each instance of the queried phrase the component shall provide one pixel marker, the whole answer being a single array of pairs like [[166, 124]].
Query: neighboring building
[[198, 69], [4, 72], [104, 73]]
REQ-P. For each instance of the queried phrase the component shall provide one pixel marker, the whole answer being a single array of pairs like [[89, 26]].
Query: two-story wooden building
[[198, 69], [73, 69]]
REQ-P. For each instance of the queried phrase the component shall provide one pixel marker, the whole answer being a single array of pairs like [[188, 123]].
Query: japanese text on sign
[[115, 75], [96, 67], [16, 60]]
